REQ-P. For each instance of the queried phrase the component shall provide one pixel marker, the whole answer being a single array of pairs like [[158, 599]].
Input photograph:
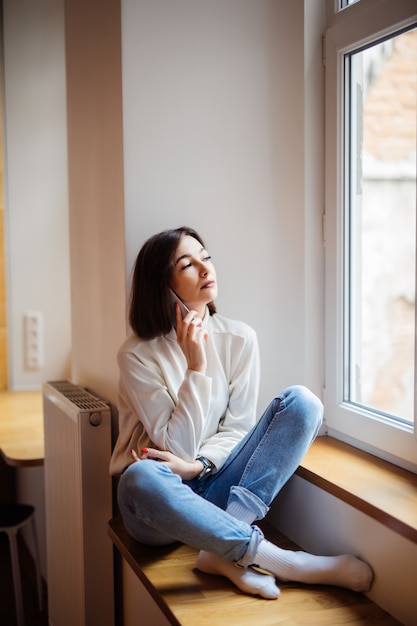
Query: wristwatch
[[207, 467]]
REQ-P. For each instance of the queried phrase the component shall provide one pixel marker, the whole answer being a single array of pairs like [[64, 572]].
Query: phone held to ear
[[183, 308]]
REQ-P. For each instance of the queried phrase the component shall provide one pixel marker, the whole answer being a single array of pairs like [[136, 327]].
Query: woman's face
[[194, 277]]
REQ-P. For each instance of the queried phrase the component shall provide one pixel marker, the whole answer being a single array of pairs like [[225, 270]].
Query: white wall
[[95, 178], [218, 131], [36, 190]]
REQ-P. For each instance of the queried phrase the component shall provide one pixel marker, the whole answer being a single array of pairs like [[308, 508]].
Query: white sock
[[343, 571], [240, 512], [247, 579]]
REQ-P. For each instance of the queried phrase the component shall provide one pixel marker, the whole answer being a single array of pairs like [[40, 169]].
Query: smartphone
[[183, 307]]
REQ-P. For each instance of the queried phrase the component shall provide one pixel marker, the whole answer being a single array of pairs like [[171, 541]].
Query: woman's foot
[[343, 571], [247, 579]]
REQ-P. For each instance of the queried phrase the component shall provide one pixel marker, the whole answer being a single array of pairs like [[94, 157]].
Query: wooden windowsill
[[379, 489]]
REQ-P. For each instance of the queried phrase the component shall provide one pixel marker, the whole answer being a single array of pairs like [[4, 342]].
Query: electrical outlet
[[33, 340]]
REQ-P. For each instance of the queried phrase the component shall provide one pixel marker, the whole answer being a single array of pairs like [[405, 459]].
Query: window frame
[[356, 26]]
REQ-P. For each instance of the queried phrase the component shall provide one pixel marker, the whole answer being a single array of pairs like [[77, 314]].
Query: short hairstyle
[[151, 311]]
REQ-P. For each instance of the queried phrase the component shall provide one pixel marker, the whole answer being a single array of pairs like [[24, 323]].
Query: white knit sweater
[[163, 404]]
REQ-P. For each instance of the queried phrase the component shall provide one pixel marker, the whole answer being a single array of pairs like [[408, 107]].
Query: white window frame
[[357, 25]]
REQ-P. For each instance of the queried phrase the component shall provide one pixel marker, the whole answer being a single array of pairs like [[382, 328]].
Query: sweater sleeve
[[148, 395], [240, 414]]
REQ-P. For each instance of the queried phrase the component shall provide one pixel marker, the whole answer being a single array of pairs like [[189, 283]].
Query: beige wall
[[95, 156]]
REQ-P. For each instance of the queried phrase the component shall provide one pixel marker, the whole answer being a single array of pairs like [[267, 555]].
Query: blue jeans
[[159, 508]]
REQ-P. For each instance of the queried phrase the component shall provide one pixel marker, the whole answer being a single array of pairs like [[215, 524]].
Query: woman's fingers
[[193, 328], [153, 454], [191, 336], [134, 455]]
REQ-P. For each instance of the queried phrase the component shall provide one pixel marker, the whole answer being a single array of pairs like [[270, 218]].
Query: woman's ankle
[[343, 571], [246, 579]]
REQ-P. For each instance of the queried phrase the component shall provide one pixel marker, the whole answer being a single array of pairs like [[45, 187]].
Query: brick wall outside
[[390, 104]]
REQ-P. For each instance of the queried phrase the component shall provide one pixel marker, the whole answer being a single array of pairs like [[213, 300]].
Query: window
[[371, 138], [380, 117]]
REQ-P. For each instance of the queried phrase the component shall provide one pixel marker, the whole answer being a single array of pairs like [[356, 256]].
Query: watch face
[[207, 468]]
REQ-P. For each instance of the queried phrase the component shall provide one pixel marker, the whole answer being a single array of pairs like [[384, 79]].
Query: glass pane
[[380, 140], [346, 3]]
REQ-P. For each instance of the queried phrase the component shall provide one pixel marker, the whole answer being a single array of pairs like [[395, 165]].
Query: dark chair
[[13, 517]]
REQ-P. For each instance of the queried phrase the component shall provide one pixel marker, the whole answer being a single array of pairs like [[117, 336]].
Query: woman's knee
[[135, 501], [309, 406], [306, 396], [139, 481]]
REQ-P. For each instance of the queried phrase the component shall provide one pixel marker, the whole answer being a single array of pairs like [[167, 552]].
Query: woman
[[195, 464]]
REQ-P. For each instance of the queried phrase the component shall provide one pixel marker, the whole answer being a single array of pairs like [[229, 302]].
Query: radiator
[[78, 506]]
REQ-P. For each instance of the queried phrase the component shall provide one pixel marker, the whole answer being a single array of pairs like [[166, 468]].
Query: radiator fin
[[78, 396]]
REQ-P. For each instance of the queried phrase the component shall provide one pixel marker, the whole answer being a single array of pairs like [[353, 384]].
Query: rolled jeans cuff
[[249, 558], [248, 501]]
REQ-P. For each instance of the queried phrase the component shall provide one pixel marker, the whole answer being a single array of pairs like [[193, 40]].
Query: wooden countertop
[[21, 428]]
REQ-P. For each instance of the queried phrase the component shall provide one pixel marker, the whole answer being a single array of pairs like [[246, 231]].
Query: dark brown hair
[[151, 311]]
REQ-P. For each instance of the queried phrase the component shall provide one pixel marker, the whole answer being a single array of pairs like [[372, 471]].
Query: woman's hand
[[191, 337], [187, 470]]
